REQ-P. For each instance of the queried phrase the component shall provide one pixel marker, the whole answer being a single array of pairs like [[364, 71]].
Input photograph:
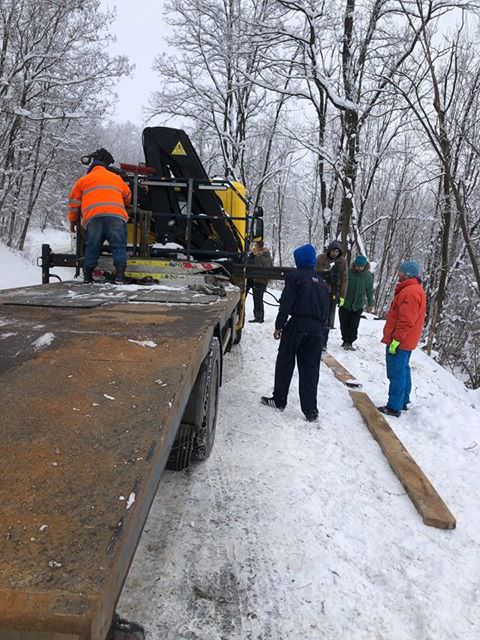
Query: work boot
[[88, 276], [270, 402], [388, 411], [123, 630]]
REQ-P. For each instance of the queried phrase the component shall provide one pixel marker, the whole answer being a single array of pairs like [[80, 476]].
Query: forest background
[[349, 119]]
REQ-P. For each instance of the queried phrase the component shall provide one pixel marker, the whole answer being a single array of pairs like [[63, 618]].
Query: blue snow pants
[[398, 373]]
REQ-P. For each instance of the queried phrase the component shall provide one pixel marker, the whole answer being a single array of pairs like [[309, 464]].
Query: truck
[[103, 386]]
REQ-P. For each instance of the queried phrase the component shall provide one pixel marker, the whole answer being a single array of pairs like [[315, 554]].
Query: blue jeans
[[398, 373], [113, 229]]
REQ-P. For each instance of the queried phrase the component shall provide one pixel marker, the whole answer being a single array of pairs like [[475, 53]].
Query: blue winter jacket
[[305, 295]]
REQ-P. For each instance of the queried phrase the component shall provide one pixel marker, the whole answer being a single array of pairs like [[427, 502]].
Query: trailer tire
[[208, 406], [181, 452], [196, 434]]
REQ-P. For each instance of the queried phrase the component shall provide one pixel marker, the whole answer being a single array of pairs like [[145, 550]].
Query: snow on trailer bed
[[92, 391]]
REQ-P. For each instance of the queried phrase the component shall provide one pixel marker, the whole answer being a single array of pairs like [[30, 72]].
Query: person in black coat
[[261, 258], [299, 326]]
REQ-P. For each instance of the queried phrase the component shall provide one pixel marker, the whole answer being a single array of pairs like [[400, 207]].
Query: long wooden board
[[428, 503], [340, 372]]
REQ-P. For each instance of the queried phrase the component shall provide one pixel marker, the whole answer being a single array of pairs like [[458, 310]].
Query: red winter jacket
[[406, 315]]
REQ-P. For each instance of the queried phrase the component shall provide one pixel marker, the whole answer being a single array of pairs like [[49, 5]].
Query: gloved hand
[[277, 334], [341, 302], [393, 346]]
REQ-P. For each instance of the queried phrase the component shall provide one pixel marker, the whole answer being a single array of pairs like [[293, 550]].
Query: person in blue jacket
[[299, 326]]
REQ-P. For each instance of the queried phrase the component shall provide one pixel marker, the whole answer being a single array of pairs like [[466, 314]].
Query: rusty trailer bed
[[93, 384]]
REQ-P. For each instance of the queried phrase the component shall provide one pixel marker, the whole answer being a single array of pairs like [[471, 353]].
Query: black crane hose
[[269, 304]]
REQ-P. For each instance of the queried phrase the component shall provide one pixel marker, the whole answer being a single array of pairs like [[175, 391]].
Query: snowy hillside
[[293, 531], [20, 270], [16, 270]]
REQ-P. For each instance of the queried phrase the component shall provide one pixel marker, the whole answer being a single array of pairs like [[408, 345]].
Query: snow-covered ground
[[293, 531], [20, 270], [298, 531], [16, 271]]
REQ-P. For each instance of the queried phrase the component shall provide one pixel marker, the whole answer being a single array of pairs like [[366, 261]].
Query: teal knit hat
[[360, 261], [410, 268]]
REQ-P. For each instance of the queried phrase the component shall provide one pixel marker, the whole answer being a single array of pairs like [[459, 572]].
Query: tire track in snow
[[202, 562], [252, 578]]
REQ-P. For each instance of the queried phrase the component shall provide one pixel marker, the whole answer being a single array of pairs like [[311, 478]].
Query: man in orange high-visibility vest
[[98, 202]]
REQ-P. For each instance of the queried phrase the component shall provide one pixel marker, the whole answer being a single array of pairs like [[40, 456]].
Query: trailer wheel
[[207, 411], [196, 434], [181, 452]]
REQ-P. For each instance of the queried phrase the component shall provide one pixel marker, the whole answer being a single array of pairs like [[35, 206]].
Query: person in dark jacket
[[334, 261], [261, 258], [359, 291], [332, 257], [299, 327]]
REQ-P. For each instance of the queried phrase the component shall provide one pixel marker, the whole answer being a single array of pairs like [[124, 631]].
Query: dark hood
[[335, 244]]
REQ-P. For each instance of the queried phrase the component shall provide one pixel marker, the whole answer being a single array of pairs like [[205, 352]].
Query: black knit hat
[[100, 155], [103, 156]]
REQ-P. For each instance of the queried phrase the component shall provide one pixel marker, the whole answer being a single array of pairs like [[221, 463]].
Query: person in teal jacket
[[359, 291]]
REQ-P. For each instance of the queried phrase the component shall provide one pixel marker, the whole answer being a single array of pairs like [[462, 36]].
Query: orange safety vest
[[100, 193]]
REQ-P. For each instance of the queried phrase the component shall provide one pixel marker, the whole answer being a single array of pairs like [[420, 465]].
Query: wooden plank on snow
[[428, 503], [340, 372]]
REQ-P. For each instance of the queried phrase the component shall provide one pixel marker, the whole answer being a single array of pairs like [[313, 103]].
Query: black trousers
[[302, 339], [332, 306], [331, 313], [349, 321], [258, 309]]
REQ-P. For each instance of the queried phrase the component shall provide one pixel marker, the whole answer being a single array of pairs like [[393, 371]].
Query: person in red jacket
[[401, 334], [98, 201]]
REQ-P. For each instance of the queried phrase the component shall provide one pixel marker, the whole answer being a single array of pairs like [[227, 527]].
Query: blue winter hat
[[305, 256], [360, 261], [410, 268]]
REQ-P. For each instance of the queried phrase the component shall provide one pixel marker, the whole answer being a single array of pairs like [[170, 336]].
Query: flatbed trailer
[[96, 383]]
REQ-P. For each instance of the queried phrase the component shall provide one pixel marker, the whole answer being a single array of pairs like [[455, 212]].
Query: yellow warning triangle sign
[[179, 150]]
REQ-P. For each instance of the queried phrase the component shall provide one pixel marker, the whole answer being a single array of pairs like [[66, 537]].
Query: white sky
[[140, 31]]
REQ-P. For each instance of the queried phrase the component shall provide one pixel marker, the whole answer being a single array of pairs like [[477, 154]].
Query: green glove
[[392, 349], [341, 302]]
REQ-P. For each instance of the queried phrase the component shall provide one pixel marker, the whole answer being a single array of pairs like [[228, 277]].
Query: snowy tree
[[209, 78], [442, 93], [345, 55], [54, 72]]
